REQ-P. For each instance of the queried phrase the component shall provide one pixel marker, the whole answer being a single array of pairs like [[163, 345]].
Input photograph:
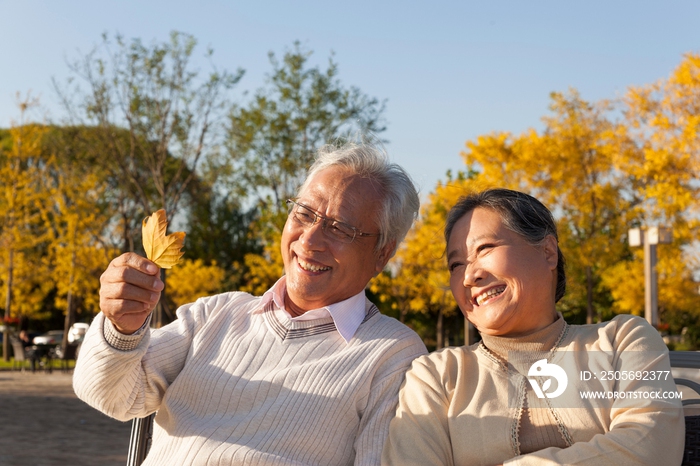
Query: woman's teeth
[[489, 294], [310, 267]]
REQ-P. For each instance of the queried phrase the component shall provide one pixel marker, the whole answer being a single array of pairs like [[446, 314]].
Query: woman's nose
[[472, 274]]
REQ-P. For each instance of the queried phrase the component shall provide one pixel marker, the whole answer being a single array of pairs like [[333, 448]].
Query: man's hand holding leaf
[[131, 286]]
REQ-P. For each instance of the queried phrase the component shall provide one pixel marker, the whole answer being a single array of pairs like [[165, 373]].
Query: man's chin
[[305, 293]]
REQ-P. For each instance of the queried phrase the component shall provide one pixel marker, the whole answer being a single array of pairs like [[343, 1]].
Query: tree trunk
[[440, 340], [8, 304], [125, 243], [162, 310], [471, 336], [70, 312], [589, 295]]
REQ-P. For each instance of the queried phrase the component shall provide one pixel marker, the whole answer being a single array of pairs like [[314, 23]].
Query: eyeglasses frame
[[325, 221]]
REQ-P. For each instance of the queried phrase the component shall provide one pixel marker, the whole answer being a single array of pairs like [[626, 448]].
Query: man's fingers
[[133, 277], [127, 315], [129, 268], [119, 307], [127, 291], [137, 262]]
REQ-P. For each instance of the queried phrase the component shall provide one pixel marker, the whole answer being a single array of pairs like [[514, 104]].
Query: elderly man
[[306, 374]]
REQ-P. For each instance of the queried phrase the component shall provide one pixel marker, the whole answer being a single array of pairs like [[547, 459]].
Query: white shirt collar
[[347, 315]]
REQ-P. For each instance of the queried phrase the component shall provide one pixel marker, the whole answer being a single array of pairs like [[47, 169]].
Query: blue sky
[[450, 70]]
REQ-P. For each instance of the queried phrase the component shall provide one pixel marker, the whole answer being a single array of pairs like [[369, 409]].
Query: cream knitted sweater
[[236, 384], [465, 406]]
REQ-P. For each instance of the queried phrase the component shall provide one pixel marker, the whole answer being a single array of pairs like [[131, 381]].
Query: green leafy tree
[[170, 113], [220, 231], [271, 142]]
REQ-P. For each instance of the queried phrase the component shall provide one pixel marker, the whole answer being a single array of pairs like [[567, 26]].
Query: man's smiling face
[[319, 269]]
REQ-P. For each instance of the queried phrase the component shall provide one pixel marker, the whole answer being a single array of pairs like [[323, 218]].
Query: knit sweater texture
[[538, 426], [465, 406], [233, 383]]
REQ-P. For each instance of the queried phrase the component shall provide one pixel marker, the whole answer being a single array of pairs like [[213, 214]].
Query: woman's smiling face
[[503, 284]]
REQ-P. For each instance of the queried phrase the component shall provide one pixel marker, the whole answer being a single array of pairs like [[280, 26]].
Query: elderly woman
[[535, 390]]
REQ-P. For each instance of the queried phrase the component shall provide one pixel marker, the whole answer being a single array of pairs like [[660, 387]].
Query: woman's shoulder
[[451, 354], [447, 363], [621, 331], [619, 323]]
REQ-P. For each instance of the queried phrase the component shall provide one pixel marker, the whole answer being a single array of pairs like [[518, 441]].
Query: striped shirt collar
[[347, 315]]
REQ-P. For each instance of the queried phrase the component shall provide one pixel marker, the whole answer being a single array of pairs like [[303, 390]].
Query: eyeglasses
[[333, 228]]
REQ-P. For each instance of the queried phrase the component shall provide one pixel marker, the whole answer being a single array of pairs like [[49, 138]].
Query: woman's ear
[[551, 251]]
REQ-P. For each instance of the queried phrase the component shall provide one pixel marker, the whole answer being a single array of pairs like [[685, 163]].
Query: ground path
[[43, 423]]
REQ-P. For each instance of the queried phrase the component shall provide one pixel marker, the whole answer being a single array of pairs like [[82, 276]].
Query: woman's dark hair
[[521, 214]]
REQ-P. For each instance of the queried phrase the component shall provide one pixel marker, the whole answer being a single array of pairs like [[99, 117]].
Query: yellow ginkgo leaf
[[164, 250]]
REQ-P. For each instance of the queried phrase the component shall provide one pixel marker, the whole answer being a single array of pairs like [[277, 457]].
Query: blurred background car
[[77, 332], [52, 337]]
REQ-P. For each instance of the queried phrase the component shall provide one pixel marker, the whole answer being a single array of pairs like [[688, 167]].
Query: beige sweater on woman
[[472, 406]]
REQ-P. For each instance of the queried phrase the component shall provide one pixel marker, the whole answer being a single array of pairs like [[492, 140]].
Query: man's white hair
[[400, 201]]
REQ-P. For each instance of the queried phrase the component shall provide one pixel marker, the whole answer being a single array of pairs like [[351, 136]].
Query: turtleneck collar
[[538, 342]]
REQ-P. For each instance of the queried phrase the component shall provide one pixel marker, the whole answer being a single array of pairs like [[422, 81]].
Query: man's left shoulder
[[392, 324], [383, 327]]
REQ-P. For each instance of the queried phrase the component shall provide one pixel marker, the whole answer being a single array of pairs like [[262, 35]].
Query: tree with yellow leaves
[[572, 168], [600, 177], [192, 279], [263, 270], [663, 119], [20, 162], [417, 280], [75, 218]]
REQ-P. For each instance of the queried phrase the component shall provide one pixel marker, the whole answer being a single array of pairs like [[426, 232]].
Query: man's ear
[[384, 256], [551, 251]]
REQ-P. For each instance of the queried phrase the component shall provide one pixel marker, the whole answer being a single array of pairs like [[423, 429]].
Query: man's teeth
[[489, 294], [312, 268]]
